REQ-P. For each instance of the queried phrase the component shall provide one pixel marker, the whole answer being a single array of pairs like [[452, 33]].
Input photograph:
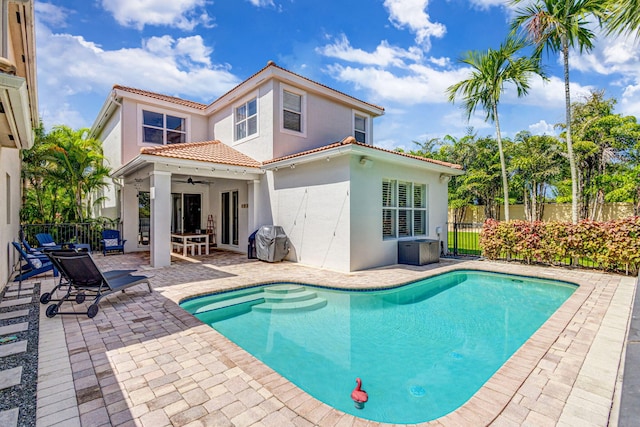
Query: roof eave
[[369, 152], [143, 160]]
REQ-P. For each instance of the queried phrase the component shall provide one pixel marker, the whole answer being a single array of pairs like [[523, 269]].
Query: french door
[[229, 215], [186, 215]]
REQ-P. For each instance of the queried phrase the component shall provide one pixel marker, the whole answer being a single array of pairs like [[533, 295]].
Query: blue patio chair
[[34, 265], [31, 251], [111, 242], [46, 242]]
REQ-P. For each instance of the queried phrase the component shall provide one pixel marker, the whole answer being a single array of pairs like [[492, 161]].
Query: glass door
[[229, 215], [186, 216]]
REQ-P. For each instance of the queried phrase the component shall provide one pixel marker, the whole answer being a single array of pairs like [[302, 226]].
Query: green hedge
[[612, 245]]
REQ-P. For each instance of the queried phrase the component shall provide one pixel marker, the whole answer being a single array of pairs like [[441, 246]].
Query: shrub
[[611, 245]]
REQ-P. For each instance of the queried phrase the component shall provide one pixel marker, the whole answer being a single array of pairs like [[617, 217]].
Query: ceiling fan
[[192, 181]]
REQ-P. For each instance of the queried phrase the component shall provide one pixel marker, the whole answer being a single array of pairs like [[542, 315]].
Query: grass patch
[[468, 242]]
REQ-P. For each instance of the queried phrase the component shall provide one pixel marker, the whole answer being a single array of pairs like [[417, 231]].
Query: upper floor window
[[360, 128], [293, 111], [159, 128], [246, 119]]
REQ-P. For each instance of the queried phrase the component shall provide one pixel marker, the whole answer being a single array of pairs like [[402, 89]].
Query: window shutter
[[292, 102], [403, 194]]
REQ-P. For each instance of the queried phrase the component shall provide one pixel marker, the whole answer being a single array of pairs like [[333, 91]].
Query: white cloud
[[64, 113], [630, 103], [262, 3], [421, 85], [486, 4], [413, 14], [384, 55], [182, 14], [71, 65], [542, 128], [52, 15]]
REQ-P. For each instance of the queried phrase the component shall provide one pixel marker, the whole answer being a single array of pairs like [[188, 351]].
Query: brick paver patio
[[143, 361]]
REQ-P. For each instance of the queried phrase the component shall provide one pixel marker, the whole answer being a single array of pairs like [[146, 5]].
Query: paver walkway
[[144, 361]]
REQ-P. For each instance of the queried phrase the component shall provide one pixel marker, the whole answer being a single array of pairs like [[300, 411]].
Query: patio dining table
[[194, 239]]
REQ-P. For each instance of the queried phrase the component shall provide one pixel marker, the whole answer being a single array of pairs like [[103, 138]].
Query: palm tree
[[490, 71], [623, 17], [558, 25], [77, 165]]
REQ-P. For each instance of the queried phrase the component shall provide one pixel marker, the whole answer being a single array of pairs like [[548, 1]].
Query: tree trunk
[[572, 160], [503, 165], [534, 201]]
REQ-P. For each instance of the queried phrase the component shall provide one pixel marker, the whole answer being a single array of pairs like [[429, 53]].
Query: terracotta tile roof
[[162, 97], [205, 151], [200, 106], [273, 64], [352, 141]]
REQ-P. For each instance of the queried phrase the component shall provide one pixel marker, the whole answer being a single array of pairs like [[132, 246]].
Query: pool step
[[254, 298], [302, 295], [308, 305], [290, 297]]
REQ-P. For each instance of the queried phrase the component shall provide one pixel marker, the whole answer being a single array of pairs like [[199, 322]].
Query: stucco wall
[[259, 146], [132, 126], [9, 210], [326, 122], [368, 248], [312, 204], [111, 137]]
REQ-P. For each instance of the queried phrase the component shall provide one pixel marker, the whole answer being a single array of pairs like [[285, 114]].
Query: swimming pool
[[422, 349]]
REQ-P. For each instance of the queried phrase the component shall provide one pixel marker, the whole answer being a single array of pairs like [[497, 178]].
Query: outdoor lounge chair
[[47, 297], [111, 241], [34, 265], [86, 279]]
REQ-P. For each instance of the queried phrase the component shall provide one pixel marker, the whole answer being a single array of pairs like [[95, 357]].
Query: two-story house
[[18, 117], [277, 149]]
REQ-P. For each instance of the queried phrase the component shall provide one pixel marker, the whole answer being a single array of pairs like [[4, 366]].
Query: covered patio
[[203, 188]]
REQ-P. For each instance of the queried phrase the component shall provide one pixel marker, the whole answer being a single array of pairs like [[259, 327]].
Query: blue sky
[[400, 54]]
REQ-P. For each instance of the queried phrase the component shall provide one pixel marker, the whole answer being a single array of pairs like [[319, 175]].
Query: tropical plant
[[61, 172], [557, 26], [536, 162], [491, 70], [623, 17], [606, 147]]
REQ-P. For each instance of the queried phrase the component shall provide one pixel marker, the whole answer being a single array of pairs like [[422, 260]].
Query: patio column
[[160, 195], [253, 196], [129, 217]]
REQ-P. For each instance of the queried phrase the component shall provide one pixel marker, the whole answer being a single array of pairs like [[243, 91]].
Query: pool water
[[422, 349]]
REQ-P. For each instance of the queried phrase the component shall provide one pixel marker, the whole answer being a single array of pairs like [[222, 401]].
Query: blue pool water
[[422, 349]]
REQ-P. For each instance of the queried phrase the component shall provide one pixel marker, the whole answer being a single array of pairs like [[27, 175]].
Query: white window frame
[[303, 107], [367, 125], [394, 210], [165, 113], [242, 102]]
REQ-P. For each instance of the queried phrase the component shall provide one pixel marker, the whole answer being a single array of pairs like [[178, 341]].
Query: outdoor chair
[[111, 242], [34, 265], [47, 297], [47, 243], [86, 280], [31, 251]]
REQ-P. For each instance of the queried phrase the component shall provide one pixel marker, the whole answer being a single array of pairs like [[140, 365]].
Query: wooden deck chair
[[86, 280]]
